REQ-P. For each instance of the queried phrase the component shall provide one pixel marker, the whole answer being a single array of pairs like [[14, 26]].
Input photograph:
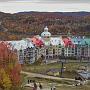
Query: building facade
[[51, 47]]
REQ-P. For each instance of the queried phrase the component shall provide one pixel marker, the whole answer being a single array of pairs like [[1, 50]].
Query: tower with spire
[[46, 33]]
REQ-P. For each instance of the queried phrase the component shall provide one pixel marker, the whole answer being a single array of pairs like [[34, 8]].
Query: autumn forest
[[25, 24]]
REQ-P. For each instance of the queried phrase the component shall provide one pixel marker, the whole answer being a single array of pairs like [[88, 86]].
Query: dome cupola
[[46, 33]]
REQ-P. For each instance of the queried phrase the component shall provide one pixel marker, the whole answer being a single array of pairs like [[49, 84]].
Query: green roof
[[87, 40]]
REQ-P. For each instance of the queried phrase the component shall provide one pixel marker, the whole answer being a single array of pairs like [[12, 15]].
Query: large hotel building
[[50, 47]]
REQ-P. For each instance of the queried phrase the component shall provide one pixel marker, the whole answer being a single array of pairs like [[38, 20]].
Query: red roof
[[68, 42], [36, 41]]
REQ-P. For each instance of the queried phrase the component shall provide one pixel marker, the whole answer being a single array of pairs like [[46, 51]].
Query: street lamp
[[62, 61], [62, 65]]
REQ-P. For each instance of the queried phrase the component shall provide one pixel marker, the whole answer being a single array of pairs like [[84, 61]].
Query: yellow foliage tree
[[5, 80]]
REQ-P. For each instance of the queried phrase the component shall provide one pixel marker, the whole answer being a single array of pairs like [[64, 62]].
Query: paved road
[[45, 76], [68, 61]]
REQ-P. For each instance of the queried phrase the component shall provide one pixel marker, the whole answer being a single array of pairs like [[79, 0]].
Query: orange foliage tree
[[9, 62]]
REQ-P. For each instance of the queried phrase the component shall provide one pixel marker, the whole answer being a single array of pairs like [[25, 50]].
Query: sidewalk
[[44, 87]]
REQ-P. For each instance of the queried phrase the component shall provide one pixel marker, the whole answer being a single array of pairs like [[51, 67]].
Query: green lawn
[[66, 88], [69, 73], [73, 87], [42, 68], [64, 84]]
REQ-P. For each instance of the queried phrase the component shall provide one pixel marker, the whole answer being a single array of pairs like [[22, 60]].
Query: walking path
[[68, 61], [45, 76]]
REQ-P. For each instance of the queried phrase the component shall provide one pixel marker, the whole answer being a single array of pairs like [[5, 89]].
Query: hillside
[[25, 24]]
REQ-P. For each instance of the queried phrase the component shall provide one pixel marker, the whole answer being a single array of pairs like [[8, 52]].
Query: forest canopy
[[25, 24]]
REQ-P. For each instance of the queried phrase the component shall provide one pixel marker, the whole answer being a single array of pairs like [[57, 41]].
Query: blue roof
[[81, 41], [85, 74], [87, 40]]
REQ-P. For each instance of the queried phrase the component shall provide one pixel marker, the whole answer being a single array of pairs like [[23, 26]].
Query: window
[[53, 51], [46, 51]]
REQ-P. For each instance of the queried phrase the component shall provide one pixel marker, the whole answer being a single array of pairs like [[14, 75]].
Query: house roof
[[37, 41], [56, 41], [22, 44], [87, 40], [75, 40], [81, 41], [68, 42], [85, 74]]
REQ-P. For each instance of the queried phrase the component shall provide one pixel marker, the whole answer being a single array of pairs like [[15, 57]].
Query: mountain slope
[[25, 24]]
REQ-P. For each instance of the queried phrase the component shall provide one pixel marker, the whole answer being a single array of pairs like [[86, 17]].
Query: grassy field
[[64, 85], [43, 68], [40, 68], [73, 88], [66, 88], [69, 73]]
